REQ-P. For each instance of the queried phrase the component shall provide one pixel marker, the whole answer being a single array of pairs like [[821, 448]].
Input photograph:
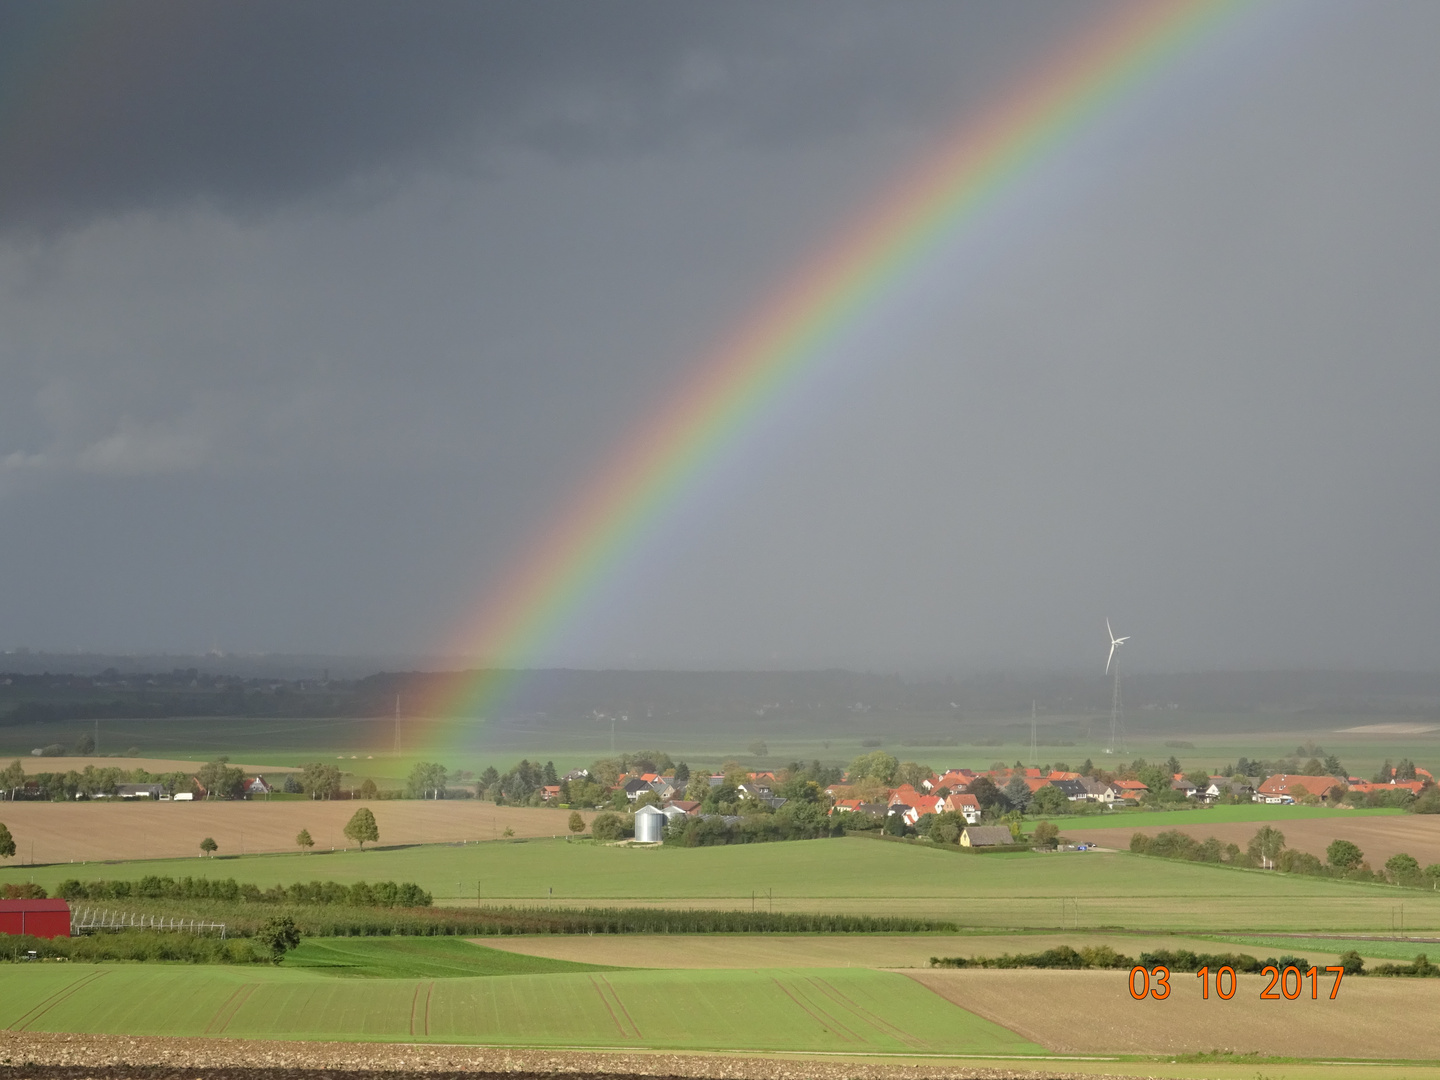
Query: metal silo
[[649, 825]]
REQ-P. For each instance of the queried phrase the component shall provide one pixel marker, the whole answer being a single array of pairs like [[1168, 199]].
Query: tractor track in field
[[32, 1056]]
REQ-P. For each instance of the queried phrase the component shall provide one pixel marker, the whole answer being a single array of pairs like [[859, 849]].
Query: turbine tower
[[1114, 661]]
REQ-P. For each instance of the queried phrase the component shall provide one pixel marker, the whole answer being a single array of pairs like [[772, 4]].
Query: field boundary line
[[894, 1031], [429, 990], [620, 1002], [819, 1015], [38, 1010], [228, 1010]]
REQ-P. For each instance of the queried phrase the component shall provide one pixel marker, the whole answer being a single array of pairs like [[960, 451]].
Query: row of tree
[[1267, 850]]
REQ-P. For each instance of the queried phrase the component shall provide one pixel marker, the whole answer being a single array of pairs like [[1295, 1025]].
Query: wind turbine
[[1113, 660]]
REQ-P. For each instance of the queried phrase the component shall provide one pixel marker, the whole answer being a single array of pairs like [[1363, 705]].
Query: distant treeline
[[385, 894], [563, 698]]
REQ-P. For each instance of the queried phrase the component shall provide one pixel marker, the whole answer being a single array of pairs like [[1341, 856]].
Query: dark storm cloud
[[145, 103]]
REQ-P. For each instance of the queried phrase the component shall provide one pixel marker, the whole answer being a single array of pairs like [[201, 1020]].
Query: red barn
[[38, 918]]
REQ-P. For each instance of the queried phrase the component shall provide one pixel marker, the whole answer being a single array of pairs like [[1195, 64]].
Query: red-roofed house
[[1363, 787], [922, 805], [966, 805], [1284, 788], [954, 780], [905, 794], [845, 806]]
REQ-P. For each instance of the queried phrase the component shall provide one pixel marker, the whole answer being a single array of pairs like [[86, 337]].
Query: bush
[[607, 828]]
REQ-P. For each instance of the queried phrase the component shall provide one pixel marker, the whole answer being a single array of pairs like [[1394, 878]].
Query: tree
[[758, 749], [1172, 765], [219, 780], [878, 766], [1334, 768], [1049, 800], [1402, 867], [13, 778], [682, 774], [85, 745], [1266, 845], [913, 773], [1344, 856], [1047, 835], [428, 780], [1017, 792], [362, 827], [320, 780], [368, 789], [292, 784], [209, 846], [608, 827], [279, 934], [7, 843], [988, 795], [303, 839], [577, 823]]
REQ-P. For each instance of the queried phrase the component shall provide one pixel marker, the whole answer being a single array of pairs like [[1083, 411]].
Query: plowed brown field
[[1093, 1012], [94, 831], [1378, 837]]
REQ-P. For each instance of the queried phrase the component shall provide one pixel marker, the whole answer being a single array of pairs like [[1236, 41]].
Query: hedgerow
[[385, 894]]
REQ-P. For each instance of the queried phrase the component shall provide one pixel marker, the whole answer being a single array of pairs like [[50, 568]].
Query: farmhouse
[[924, 804], [966, 805], [256, 785], [1284, 788], [38, 918], [985, 836]]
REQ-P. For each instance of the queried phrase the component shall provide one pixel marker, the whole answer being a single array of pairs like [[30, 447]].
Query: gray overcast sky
[[313, 315]]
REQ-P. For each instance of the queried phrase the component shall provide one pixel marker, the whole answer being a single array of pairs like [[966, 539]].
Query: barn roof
[[33, 905]]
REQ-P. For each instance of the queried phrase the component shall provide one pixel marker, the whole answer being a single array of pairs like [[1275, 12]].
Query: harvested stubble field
[[1093, 1012], [1379, 837], [828, 950], [77, 832]]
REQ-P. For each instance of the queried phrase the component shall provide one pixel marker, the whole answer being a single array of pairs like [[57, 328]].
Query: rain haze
[[317, 317]]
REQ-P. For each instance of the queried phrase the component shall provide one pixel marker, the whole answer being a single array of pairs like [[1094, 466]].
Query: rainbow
[[789, 336]]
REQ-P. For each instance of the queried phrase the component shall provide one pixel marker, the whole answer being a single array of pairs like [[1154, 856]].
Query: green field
[[834, 735], [421, 958], [1380, 948], [815, 1010], [851, 875]]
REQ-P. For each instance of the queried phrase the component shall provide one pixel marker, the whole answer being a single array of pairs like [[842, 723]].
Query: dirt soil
[[83, 1057], [1093, 1012], [100, 831], [1378, 837]]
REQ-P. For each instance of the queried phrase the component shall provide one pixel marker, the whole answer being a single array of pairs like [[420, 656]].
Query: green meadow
[[1026, 890], [420, 958], [814, 1010]]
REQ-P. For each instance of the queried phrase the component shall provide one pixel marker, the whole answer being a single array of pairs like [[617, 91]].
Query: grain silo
[[649, 825]]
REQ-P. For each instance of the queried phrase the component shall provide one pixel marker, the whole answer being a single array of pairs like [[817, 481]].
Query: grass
[[852, 875], [421, 958], [817, 1010]]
